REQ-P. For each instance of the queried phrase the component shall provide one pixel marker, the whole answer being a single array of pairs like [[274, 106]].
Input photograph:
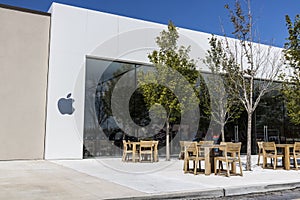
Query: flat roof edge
[[24, 10]]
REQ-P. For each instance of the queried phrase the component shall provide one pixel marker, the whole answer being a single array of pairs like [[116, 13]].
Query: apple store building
[[72, 60]]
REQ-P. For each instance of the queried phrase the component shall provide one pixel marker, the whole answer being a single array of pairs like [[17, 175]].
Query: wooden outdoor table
[[286, 157], [135, 145], [209, 161]]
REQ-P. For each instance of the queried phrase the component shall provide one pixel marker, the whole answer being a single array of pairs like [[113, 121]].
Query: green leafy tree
[[224, 103], [255, 66], [291, 86], [169, 60]]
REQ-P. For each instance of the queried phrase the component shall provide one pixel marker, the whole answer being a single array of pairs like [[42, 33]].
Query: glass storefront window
[[103, 134]]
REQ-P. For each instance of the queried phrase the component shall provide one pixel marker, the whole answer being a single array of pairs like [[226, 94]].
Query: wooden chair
[[146, 148], [270, 151], [221, 153], [296, 153], [231, 155], [260, 151], [190, 154], [127, 149]]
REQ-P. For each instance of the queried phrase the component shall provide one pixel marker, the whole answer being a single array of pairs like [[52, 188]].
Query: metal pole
[[266, 138], [236, 133]]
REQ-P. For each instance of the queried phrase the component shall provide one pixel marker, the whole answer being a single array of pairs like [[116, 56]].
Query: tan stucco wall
[[24, 46]]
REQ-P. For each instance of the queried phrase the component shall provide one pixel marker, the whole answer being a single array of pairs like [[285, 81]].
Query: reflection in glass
[[103, 135]]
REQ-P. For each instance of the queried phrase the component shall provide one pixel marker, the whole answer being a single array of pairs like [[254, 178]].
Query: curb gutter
[[210, 193], [220, 192]]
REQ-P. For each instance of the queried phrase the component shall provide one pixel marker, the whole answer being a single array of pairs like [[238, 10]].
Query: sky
[[200, 15]]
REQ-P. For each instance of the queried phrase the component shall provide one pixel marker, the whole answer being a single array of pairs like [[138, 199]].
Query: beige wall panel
[[24, 47]]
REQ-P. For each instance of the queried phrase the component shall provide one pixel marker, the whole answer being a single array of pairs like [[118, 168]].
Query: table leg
[[133, 152], [264, 162], [212, 161], [185, 165], [155, 153], [234, 163], [207, 161], [287, 158]]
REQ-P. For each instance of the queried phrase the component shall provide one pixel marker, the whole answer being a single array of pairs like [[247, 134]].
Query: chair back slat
[[146, 144], [190, 148], [269, 146], [233, 147]]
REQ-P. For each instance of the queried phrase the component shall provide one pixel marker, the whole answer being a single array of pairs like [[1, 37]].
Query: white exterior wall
[[77, 33]]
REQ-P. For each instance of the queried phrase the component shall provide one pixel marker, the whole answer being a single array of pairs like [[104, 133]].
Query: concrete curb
[[209, 193], [233, 191], [221, 192]]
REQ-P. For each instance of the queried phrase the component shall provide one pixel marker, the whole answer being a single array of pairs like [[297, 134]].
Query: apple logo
[[65, 105]]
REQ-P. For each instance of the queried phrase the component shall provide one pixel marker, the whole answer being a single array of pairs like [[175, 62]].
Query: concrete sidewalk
[[44, 180], [110, 178]]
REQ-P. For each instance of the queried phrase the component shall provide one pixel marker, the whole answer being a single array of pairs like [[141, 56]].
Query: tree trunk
[[167, 141], [222, 132], [249, 126]]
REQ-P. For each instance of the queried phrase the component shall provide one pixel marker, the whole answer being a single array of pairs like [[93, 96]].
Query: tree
[[254, 67], [172, 82], [225, 106], [291, 86]]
